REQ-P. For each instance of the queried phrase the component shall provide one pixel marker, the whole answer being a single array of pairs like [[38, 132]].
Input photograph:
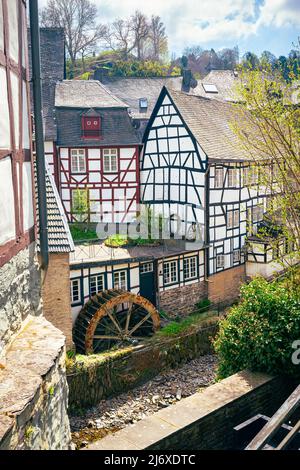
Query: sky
[[255, 25]]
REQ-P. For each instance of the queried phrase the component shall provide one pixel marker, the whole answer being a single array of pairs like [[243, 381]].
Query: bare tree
[[140, 28], [157, 37], [77, 18], [119, 37]]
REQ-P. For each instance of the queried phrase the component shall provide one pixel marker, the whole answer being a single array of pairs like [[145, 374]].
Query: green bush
[[259, 332], [203, 305]]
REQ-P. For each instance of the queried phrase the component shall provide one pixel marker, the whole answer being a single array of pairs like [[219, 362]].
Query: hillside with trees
[[137, 46]]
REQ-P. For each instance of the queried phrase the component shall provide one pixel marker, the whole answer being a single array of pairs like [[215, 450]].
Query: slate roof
[[116, 128], [130, 90], [52, 44], [209, 121], [225, 82], [85, 94], [59, 236]]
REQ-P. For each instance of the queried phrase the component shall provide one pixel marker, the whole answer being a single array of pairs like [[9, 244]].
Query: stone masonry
[[225, 286], [181, 300], [56, 295], [19, 293], [34, 390]]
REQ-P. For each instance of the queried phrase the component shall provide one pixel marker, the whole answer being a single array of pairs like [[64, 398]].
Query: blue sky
[[254, 25]]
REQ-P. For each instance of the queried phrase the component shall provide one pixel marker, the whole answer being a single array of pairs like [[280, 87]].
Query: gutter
[[39, 133]]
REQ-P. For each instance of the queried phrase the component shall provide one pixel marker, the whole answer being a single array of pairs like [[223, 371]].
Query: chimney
[[101, 75], [188, 81]]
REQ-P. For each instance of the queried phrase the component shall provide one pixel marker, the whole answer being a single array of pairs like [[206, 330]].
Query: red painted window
[[91, 127]]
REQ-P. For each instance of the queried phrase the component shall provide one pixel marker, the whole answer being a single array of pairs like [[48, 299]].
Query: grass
[[177, 327], [117, 241], [82, 234]]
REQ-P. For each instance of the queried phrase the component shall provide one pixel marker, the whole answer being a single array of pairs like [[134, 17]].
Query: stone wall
[[182, 300], [56, 295], [19, 293], [225, 286], [34, 391], [205, 420], [93, 378]]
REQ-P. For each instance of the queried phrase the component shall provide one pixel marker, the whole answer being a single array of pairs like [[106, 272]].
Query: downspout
[[39, 132]]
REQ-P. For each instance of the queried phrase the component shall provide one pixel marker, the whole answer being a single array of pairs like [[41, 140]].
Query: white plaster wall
[[7, 209]]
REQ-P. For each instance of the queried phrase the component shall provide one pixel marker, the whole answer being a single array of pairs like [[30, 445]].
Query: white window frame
[[220, 260], [96, 281], [219, 177], [190, 268], [78, 161], [146, 268], [120, 279], [110, 160], [170, 272], [78, 296], [236, 255], [233, 219], [232, 177]]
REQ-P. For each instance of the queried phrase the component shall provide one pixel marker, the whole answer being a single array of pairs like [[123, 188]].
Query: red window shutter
[[91, 127]]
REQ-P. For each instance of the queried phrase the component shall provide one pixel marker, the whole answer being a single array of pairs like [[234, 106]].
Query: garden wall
[[100, 376], [205, 420]]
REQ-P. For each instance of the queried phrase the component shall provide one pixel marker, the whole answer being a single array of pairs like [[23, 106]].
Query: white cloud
[[203, 21]]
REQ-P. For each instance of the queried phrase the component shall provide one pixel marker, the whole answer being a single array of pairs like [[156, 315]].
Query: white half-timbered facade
[[192, 158], [173, 167], [97, 153]]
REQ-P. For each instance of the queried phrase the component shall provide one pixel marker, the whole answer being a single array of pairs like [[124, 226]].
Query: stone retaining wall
[[34, 390], [105, 375], [205, 420]]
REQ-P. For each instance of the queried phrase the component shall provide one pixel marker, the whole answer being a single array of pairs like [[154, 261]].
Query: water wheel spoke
[[140, 323], [107, 326], [106, 337], [128, 317], [114, 320]]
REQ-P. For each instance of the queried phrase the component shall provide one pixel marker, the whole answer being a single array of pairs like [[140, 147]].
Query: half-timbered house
[[192, 162], [97, 152]]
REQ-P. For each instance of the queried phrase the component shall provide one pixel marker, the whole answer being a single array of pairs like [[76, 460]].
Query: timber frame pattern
[[16, 67]]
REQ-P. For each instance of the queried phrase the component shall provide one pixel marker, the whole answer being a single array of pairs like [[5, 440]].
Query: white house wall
[[173, 168], [113, 197]]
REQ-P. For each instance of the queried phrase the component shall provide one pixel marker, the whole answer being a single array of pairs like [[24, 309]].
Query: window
[[250, 175], [219, 177], [120, 280], [232, 177], [143, 104], [91, 127], [190, 268], [75, 291], [257, 213], [146, 268], [110, 160], [170, 272], [220, 261], [96, 284], [78, 161], [209, 88], [233, 219], [236, 256]]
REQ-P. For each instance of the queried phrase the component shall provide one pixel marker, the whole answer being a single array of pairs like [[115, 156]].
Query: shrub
[[259, 332], [203, 305]]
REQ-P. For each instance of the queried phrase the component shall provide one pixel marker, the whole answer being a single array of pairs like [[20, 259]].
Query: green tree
[[259, 333], [81, 205], [268, 128]]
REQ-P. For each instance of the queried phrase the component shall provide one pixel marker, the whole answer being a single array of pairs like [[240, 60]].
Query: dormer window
[[143, 104], [91, 127]]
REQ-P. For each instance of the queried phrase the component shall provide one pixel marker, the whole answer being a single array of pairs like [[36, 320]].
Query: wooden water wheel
[[114, 318]]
